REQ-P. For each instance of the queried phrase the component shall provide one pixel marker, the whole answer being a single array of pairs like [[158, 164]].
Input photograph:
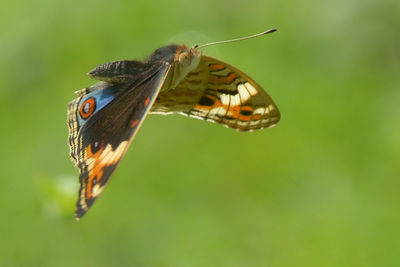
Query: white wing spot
[[96, 190], [251, 89], [242, 123], [222, 112], [244, 94], [235, 100], [260, 111], [271, 107], [225, 99], [213, 112]]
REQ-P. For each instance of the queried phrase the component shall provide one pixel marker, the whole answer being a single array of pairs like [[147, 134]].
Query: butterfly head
[[176, 54], [186, 60], [187, 57]]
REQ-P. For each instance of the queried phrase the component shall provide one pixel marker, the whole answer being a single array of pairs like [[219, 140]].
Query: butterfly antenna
[[237, 39]]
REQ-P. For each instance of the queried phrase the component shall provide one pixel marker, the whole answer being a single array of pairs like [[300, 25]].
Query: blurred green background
[[320, 189]]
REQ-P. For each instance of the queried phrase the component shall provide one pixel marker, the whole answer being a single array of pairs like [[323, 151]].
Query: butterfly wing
[[218, 92], [103, 121]]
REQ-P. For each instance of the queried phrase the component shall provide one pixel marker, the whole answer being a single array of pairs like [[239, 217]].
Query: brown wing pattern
[[218, 92]]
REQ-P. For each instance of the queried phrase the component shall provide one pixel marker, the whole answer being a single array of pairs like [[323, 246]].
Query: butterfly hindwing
[[218, 92], [103, 121]]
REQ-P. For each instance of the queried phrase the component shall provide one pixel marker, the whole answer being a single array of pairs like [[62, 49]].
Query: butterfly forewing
[[218, 92], [103, 122]]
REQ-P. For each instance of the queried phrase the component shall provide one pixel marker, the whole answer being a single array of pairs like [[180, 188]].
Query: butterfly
[[105, 117]]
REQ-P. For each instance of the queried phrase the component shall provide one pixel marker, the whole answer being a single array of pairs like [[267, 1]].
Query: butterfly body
[[105, 117]]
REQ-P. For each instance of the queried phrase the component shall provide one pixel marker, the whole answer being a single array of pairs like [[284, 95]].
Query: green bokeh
[[320, 189]]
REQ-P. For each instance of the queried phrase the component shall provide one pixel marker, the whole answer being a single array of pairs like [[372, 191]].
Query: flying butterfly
[[105, 117]]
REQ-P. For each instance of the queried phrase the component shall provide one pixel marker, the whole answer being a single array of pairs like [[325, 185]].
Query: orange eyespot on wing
[[87, 108]]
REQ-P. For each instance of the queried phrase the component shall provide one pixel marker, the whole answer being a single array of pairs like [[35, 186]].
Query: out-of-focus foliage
[[320, 189]]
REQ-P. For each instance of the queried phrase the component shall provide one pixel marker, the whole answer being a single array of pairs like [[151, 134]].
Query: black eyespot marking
[[94, 147], [206, 101], [245, 112]]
